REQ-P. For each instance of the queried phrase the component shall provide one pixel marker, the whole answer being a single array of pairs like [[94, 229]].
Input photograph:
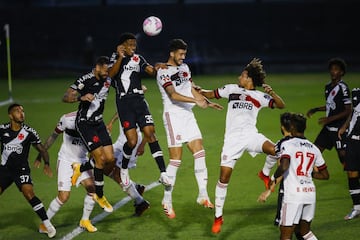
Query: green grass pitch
[[244, 217]]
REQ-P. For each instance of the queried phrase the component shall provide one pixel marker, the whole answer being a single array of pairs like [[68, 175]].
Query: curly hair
[[339, 62], [256, 72]]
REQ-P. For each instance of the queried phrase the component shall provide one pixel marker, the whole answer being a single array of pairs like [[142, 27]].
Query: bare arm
[[314, 110], [341, 115], [112, 120], [171, 92], [116, 67], [278, 102], [51, 139], [45, 155], [71, 96], [343, 128], [321, 174]]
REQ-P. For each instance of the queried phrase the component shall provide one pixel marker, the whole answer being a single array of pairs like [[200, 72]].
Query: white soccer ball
[[152, 26]]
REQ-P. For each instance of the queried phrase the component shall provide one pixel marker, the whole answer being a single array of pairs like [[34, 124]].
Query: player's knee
[[64, 196]]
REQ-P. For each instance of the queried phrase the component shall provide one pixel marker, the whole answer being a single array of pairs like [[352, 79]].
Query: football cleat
[[51, 231], [353, 214], [103, 203], [168, 210], [164, 179], [140, 189], [265, 178], [76, 173], [205, 202], [86, 224], [216, 227], [42, 228], [140, 208]]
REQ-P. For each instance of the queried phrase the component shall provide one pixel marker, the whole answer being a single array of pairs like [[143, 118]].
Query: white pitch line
[[77, 231]]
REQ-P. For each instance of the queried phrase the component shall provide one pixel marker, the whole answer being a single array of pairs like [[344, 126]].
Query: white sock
[[220, 195], [270, 162], [54, 207], [133, 193], [310, 236], [201, 173], [89, 204], [171, 171]]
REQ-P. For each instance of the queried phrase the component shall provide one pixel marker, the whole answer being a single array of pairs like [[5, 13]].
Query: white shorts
[[180, 127], [65, 171], [291, 213], [118, 151], [235, 145]]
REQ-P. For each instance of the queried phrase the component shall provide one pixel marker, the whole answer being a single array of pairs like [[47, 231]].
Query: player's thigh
[[257, 143], [308, 212], [65, 171], [290, 213], [5, 179]]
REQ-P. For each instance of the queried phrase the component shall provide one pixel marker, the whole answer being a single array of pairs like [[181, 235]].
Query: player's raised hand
[[121, 50]]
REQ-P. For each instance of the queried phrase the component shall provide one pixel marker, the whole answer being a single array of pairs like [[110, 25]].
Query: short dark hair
[[14, 105], [102, 60], [126, 36], [339, 62], [256, 72], [298, 122], [176, 44], [285, 121]]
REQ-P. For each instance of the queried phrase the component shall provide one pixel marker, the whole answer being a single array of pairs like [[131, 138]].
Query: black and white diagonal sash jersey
[[336, 99], [128, 81], [92, 111], [354, 125], [15, 145]]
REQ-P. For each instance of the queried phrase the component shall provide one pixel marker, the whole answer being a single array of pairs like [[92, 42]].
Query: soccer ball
[[152, 26]]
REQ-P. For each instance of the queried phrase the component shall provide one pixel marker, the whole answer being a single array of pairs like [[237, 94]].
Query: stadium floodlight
[[7, 35]]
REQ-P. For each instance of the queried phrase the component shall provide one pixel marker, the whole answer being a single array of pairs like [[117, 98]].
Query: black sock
[[127, 152], [157, 155], [99, 182], [38, 207], [354, 189]]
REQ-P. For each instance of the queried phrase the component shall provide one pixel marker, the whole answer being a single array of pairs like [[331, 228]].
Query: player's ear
[[172, 54]]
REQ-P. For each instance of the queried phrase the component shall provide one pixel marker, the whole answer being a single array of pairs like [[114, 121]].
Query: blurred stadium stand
[[57, 37]]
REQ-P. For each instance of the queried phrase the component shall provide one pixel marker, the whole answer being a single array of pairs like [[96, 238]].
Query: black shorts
[[329, 139], [19, 177], [352, 156], [134, 111], [93, 135]]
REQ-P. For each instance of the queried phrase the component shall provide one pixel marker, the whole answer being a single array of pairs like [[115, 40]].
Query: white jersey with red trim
[[243, 107], [180, 78], [72, 149], [298, 184]]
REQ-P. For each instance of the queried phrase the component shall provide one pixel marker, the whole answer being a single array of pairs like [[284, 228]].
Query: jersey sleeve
[[34, 136], [163, 78], [223, 92], [61, 125], [113, 59], [346, 94], [143, 63], [319, 161]]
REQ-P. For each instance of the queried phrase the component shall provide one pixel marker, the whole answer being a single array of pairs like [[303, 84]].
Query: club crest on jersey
[[21, 136], [135, 58]]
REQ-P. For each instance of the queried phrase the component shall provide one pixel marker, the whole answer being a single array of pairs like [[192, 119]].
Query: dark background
[[51, 38]]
